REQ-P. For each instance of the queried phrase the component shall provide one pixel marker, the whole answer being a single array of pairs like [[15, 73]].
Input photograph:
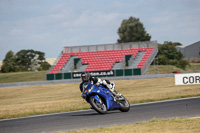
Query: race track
[[188, 107]]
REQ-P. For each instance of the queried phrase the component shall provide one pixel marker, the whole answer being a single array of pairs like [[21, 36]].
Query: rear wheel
[[125, 106], [100, 107]]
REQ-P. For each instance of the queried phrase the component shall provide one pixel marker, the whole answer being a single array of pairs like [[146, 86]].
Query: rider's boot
[[117, 94], [114, 98]]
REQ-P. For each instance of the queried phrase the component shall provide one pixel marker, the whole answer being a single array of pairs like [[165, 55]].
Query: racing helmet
[[85, 76]]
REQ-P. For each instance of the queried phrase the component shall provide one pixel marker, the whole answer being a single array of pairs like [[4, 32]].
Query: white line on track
[[91, 109], [33, 116], [164, 101]]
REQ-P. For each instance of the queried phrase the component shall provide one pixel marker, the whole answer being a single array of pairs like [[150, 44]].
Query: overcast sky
[[49, 25]]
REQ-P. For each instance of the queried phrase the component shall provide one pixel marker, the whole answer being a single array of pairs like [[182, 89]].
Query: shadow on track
[[97, 114]]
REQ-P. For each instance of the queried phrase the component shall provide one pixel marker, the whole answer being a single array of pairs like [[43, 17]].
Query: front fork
[[97, 98]]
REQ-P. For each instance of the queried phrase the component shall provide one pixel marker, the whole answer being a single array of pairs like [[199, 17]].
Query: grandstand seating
[[65, 57], [102, 60]]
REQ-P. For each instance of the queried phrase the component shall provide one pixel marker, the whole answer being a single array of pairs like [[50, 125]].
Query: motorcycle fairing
[[103, 93]]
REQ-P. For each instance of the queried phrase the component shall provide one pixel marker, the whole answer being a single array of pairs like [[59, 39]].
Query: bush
[[182, 64], [162, 59], [169, 55], [39, 69], [45, 65]]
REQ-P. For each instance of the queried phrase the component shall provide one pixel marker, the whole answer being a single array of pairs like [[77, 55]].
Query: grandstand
[[105, 57]]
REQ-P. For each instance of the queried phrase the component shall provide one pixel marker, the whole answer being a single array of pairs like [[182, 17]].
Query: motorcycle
[[102, 100]]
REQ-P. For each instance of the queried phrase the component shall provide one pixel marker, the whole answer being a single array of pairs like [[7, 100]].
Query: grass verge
[[33, 100], [176, 125], [163, 69], [22, 76]]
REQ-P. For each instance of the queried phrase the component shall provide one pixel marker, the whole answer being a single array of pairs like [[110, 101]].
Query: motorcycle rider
[[86, 77]]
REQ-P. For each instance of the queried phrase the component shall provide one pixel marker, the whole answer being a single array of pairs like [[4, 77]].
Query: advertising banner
[[187, 79], [95, 73]]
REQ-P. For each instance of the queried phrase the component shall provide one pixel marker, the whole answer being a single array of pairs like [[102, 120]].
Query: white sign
[[186, 79]]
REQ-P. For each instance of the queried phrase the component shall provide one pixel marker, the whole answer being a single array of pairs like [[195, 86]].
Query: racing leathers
[[111, 86]]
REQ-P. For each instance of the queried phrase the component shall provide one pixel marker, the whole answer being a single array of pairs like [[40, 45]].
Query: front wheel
[[99, 107], [125, 106]]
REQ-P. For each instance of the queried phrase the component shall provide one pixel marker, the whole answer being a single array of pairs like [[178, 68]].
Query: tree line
[[24, 60]]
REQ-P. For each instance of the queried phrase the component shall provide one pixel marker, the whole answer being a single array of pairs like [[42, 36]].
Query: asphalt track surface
[[187, 107]]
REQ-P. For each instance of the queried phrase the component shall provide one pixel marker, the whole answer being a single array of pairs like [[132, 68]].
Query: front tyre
[[99, 107], [125, 106]]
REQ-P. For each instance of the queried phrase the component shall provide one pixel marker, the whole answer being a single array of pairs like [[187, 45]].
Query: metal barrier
[[67, 81]]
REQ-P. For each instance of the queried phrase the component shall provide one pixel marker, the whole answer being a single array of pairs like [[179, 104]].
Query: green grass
[[195, 67], [163, 69], [176, 125], [22, 77]]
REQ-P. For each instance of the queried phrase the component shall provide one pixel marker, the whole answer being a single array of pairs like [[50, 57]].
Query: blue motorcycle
[[102, 100]]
